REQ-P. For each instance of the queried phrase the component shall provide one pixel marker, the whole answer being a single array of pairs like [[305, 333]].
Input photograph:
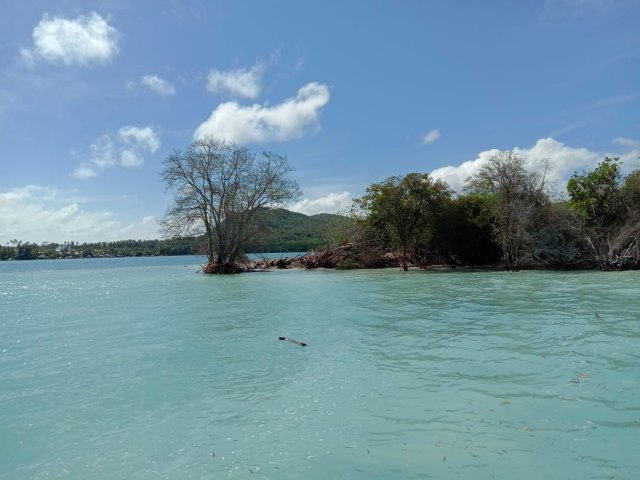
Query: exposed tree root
[[223, 268]]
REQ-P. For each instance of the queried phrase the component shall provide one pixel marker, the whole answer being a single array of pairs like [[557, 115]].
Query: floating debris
[[297, 342], [506, 402], [526, 429]]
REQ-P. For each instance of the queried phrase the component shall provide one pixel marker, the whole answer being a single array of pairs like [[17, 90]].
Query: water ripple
[[146, 370]]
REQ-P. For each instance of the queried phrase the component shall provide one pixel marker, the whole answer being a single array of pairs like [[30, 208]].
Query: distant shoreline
[[278, 261]]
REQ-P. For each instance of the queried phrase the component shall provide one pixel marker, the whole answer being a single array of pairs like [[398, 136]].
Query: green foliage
[[417, 219], [595, 195], [466, 233], [18, 250], [609, 209], [630, 192], [405, 210]]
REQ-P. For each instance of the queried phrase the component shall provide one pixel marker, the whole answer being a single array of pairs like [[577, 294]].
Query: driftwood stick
[[302, 344]]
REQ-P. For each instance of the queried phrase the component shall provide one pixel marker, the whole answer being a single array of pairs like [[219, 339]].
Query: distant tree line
[[278, 230], [18, 250], [505, 216]]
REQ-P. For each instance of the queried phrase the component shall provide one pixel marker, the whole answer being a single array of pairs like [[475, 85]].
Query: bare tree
[[610, 214], [517, 195], [353, 243], [559, 239], [618, 247], [219, 188]]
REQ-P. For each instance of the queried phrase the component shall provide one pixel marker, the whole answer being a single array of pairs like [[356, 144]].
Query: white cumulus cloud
[[456, 175], [260, 123], [142, 138], [431, 136], [330, 203], [40, 214], [158, 85], [127, 147], [563, 162], [239, 83], [87, 39]]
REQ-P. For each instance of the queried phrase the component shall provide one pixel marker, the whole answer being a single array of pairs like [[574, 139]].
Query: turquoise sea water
[[143, 369]]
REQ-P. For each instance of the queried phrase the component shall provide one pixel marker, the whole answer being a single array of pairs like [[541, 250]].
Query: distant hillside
[[279, 231], [285, 231]]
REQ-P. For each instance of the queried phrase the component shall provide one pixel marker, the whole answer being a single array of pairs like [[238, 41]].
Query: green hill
[[285, 231], [278, 230]]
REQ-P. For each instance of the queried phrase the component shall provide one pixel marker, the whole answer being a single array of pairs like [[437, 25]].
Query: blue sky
[[95, 94]]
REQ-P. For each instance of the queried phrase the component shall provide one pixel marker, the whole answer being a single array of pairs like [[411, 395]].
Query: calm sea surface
[[143, 369]]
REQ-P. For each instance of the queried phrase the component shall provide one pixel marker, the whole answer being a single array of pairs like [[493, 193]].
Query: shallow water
[[141, 368]]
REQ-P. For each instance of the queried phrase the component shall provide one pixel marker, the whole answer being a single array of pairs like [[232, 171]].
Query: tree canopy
[[594, 194], [219, 187], [405, 209], [609, 208]]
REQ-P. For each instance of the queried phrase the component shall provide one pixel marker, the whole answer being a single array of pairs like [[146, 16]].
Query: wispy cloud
[[614, 101], [431, 136], [627, 142], [127, 148], [557, 9], [260, 123], [85, 40], [239, 83], [569, 128], [608, 60], [299, 65], [582, 4], [40, 214], [158, 85]]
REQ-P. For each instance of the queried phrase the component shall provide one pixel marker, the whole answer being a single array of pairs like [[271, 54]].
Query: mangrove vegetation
[[228, 203]]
